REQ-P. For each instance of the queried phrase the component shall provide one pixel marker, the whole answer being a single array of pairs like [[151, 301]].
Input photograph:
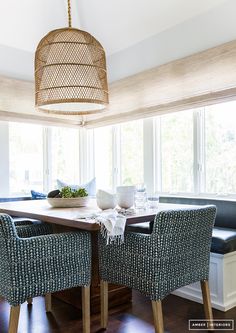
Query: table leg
[[117, 295]]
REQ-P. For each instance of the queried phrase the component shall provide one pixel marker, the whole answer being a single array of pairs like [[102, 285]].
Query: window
[[191, 152], [119, 155], [177, 152], [35, 156], [25, 158], [103, 148], [65, 155], [131, 138], [220, 148]]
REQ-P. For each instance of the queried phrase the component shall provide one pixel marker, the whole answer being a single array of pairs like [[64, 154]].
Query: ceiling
[[117, 24]]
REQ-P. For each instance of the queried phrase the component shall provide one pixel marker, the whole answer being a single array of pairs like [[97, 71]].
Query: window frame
[[47, 159], [151, 157]]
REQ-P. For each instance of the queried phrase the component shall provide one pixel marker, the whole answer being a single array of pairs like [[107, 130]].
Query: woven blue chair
[[175, 254], [42, 265]]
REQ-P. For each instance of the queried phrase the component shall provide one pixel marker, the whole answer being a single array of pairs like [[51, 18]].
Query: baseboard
[[185, 294], [222, 283]]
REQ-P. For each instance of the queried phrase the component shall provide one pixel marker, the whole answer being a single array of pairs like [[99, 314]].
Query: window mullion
[[5, 159], [116, 156], [86, 169], [47, 159], [148, 154], [203, 153], [198, 151], [157, 156]]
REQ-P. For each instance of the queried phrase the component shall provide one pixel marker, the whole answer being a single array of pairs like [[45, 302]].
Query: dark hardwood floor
[[135, 317]]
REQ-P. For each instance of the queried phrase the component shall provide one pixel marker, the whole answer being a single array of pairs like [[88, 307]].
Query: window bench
[[223, 252]]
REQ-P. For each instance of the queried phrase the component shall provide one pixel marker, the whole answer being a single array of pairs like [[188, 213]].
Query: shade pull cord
[[69, 14]]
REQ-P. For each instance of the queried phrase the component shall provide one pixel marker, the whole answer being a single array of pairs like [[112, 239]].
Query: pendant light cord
[[69, 13]]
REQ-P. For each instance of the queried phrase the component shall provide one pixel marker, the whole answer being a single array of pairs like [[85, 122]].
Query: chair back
[[7, 227], [183, 240], [7, 236]]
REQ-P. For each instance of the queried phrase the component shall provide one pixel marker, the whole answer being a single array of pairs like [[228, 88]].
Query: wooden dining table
[[67, 219]]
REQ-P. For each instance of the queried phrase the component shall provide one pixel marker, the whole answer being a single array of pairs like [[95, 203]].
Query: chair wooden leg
[[104, 303], [48, 302], [30, 300], [14, 319], [157, 316], [206, 299], [86, 309]]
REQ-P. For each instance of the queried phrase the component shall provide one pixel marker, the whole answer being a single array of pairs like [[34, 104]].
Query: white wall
[[207, 30], [16, 63]]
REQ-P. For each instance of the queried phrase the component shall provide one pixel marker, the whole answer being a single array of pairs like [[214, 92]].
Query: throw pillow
[[90, 186], [37, 195]]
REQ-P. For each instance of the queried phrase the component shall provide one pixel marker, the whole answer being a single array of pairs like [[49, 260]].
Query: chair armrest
[[21, 222], [137, 242], [134, 244], [53, 245], [25, 231], [121, 263]]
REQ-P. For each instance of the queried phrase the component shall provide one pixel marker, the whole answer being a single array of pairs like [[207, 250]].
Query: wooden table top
[[41, 210]]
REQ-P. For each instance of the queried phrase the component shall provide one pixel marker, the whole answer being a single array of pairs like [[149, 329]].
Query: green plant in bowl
[[68, 192]]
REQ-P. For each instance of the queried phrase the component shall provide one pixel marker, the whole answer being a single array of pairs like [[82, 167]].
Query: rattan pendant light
[[70, 72]]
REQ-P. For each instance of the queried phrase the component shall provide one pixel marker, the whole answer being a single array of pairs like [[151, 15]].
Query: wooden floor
[[132, 318]]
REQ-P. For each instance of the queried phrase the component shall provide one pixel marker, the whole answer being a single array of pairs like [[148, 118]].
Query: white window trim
[[150, 156], [86, 166], [116, 157], [47, 159], [198, 151], [5, 160]]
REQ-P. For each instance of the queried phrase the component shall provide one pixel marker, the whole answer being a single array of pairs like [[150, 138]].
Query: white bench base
[[222, 283]]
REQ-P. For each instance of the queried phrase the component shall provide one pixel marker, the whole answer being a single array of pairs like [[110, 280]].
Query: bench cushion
[[223, 239], [226, 209], [142, 228]]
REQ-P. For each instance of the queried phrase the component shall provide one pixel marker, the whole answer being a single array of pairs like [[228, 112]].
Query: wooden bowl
[[68, 202]]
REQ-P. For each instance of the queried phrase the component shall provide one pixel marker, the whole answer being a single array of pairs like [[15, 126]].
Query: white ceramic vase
[[125, 196], [106, 200]]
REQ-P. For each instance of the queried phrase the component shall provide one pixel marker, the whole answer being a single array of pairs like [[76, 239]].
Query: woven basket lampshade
[[70, 73]]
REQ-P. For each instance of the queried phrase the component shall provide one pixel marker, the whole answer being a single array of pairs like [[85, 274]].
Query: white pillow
[[90, 186]]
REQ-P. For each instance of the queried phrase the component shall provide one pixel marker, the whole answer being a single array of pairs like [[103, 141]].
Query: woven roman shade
[[70, 73], [198, 80], [201, 79]]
